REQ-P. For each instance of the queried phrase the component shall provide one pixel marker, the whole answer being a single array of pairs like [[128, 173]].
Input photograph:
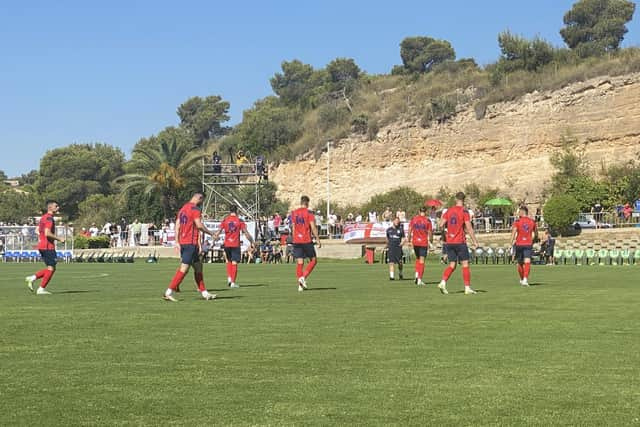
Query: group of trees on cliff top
[[310, 106]]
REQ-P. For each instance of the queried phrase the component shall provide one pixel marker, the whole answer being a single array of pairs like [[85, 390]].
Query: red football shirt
[[525, 227], [420, 227], [456, 217], [46, 223], [301, 219], [232, 226], [188, 232]]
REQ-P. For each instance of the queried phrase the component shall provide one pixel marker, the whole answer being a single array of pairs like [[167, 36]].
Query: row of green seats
[[597, 257]]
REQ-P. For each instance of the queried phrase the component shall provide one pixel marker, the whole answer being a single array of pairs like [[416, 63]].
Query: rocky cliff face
[[509, 148]]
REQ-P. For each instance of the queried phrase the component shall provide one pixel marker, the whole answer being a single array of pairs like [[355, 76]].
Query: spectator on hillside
[[277, 221], [538, 215], [358, 218], [402, 215], [373, 216], [547, 246], [113, 232], [85, 233], [627, 210], [332, 221], [93, 230], [387, 215], [596, 211], [636, 205], [350, 218], [217, 162]]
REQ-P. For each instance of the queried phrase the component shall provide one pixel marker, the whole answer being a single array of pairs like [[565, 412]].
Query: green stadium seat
[[625, 254], [614, 257], [589, 256], [636, 256], [558, 254], [579, 256], [569, 256], [602, 257]]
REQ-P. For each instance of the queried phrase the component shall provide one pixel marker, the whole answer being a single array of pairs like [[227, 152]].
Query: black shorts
[[304, 250], [394, 255], [189, 254], [523, 252], [233, 254], [457, 252], [420, 251], [49, 257]]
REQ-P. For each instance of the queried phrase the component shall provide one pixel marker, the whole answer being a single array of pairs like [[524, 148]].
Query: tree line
[[96, 182]]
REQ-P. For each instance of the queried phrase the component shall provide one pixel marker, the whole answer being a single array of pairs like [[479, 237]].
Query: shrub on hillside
[[560, 212]]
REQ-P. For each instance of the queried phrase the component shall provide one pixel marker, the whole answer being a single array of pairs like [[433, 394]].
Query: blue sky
[[113, 72]]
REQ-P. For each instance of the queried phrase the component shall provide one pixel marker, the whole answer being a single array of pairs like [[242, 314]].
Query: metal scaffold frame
[[221, 183]]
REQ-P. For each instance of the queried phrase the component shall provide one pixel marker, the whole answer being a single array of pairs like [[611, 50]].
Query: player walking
[[395, 240], [188, 228], [522, 235], [457, 220], [420, 235], [47, 247], [303, 226], [232, 225]]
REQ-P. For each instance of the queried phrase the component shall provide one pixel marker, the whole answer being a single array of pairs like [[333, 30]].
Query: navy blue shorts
[[233, 254], [420, 251], [304, 250], [457, 252], [523, 252], [394, 255], [189, 254], [49, 257]]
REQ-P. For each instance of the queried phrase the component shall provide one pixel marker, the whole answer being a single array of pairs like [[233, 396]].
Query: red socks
[[419, 269], [228, 265], [299, 268], [521, 271], [177, 279], [199, 277], [234, 272], [447, 273], [527, 269], [40, 274], [48, 274], [310, 267], [466, 276]]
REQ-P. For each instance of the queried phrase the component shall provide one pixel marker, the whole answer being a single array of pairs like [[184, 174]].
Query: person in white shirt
[[359, 218], [373, 217], [93, 230]]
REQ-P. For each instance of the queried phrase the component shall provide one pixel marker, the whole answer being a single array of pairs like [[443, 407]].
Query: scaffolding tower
[[222, 183]]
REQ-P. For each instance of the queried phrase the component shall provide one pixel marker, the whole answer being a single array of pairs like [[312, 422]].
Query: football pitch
[[356, 349]]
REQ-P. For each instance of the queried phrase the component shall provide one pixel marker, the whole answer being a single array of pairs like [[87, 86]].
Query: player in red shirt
[[303, 226], [457, 221], [47, 247], [523, 231], [188, 228], [420, 235], [232, 226]]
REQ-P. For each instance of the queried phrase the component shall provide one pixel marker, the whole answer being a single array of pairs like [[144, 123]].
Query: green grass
[[356, 350]]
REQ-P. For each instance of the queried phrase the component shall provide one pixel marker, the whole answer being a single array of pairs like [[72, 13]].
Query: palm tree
[[163, 166]]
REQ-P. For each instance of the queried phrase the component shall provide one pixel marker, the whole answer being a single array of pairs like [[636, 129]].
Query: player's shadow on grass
[[229, 297], [321, 289], [257, 285], [76, 291], [479, 291], [537, 284]]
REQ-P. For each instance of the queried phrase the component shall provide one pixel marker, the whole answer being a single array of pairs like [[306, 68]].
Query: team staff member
[[522, 235], [395, 240], [303, 226], [47, 247], [188, 228]]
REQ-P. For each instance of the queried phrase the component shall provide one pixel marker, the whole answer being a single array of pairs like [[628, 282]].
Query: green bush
[[560, 212], [399, 198], [81, 242], [98, 242]]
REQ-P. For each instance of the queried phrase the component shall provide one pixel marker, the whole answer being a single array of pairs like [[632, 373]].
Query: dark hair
[[233, 209], [525, 209], [460, 196], [50, 202], [304, 200], [423, 209]]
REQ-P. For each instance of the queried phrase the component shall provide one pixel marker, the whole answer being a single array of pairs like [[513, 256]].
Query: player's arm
[[471, 233], [314, 231], [51, 236], [200, 226], [410, 232], [178, 233], [514, 234]]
